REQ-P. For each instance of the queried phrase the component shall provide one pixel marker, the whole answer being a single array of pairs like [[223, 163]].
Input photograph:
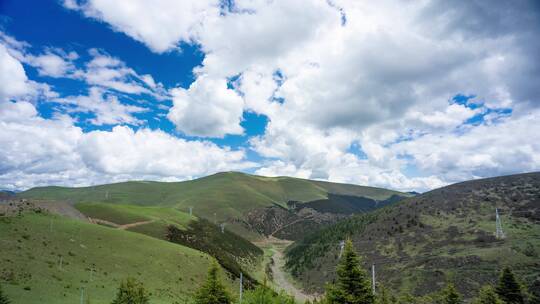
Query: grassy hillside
[[95, 258], [131, 215], [232, 251], [444, 235], [219, 197], [228, 194]]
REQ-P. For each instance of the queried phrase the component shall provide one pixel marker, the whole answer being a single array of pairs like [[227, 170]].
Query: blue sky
[[379, 94], [49, 24]]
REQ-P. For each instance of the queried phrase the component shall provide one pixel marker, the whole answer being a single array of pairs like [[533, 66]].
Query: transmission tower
[[341, 246], [499, 232]]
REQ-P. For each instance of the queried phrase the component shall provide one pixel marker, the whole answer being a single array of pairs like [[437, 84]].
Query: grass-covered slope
[[93, 257], [447, 234], [220, 197], [133, 215], [232, 251]]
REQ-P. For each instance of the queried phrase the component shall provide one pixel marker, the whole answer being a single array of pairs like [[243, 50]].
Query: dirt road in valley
[[281, 278]]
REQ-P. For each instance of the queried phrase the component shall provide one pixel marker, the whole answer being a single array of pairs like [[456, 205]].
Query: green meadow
[[52, 259]]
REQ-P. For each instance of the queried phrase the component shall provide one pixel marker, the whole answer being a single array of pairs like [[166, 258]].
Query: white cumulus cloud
[[159, 24], [38, 151], [208, 108]]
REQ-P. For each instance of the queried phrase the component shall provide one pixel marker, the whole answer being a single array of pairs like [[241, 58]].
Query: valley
[[289, 237], [276, 272]]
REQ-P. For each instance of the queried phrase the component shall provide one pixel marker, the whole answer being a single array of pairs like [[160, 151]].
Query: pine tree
[[508, 288], [3, 298], [260, 295], [451, 295], [212, 291], [487, 295], [534, 291], [407, 298], [131, 292], [384, 296], [353, 285]]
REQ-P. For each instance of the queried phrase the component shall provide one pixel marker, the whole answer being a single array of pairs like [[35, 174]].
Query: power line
[[425, 257], [510, 212]]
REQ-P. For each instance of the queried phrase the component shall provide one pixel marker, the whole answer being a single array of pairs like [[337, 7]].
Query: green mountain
[[248, 206], [447, 234], [223, 197]]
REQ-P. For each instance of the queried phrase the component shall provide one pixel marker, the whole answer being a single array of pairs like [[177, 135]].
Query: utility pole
[[82, 295], [241, 286], [373, 277], [341, 246], [499, 231]]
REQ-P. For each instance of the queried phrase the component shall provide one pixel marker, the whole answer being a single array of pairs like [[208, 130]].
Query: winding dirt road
[[281, 278]]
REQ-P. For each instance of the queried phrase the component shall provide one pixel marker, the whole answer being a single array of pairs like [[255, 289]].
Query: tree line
[[352, 286]]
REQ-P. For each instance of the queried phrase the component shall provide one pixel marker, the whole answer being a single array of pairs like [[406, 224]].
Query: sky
[[408, 95]]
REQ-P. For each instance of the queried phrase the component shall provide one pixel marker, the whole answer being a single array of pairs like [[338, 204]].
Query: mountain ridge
[[224, 197]]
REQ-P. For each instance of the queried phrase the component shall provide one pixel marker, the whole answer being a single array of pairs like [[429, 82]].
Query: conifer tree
[[508, 288], [384, 296], [353, 285], [407, 298], [487, 295], [131, 292], [212, 291], [534, 292], [451, 295], [3, 297], [260, 295]]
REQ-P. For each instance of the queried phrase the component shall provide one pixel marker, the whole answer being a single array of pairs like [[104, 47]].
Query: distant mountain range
[[234, 198], [417, 242]]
